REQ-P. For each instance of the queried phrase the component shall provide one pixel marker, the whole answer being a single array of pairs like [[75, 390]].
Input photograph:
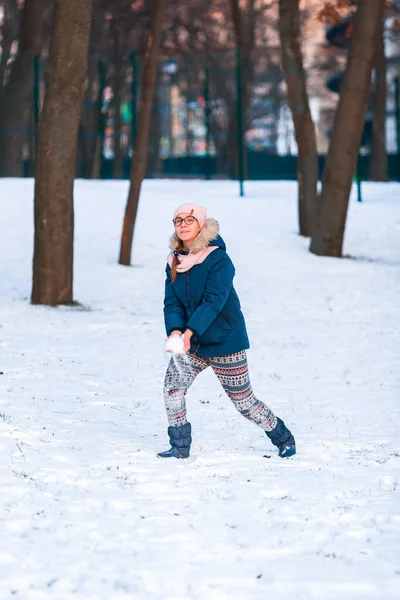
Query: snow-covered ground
[[87, 511]]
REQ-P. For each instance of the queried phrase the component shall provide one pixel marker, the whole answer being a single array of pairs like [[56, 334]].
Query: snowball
[[175, 344]]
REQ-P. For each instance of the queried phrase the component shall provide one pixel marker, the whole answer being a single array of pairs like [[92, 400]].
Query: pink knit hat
[[199, 212]]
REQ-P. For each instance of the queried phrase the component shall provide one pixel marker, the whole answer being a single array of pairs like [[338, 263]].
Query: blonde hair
[[175, 261]]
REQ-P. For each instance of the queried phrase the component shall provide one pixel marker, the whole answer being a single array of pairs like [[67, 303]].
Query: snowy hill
[[89, 512]]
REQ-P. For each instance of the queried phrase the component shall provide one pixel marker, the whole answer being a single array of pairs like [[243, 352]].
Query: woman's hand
[[175, 332], [174, 342], [186, 340]]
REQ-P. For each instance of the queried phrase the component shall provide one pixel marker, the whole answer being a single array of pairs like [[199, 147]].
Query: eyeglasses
[[187, 220]]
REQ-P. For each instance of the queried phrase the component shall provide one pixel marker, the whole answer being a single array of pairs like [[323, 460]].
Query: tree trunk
[[244, 27], [293, 69], [154, 160], [340, 166], [378, 170], [18, 92], [88, 130], [117, 99], [139, 163], [56, 162]]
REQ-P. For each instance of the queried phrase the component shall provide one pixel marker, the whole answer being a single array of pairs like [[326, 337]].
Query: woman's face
[[186, 231]]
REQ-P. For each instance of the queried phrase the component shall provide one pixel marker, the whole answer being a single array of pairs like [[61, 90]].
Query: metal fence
[[195, 117]]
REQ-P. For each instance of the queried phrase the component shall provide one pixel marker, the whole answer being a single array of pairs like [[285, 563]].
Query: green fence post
[[207, 121], [239, 119], [397, 110], [101, 123], [133, 101], [358, 178]]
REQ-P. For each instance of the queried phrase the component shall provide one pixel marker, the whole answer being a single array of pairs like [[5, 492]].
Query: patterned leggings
[[233, 374]]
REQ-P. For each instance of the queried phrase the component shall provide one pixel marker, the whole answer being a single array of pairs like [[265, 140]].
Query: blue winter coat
[[204, 300]]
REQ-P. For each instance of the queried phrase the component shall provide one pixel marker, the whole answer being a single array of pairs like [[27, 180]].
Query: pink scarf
[[187, 261]]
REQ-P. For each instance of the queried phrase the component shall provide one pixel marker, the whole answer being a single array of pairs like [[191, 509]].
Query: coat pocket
[[217, 332]]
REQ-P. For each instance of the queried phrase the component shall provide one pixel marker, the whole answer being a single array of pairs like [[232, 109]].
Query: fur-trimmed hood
[[208, 236]]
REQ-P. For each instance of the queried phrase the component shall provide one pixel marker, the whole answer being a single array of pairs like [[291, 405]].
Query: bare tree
[[118, 28], [292, 65], [329, 225], [138, 169], [58, 131], [378, 170], [119, 37], [244, 20], [17, 94], [89, 129]]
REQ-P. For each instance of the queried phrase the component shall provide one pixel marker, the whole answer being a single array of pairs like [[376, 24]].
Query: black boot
[[283, 439], [180, 439]]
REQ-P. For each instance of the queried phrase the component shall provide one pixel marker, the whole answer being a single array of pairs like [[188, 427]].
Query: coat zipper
[[187, 292], [190, 308]]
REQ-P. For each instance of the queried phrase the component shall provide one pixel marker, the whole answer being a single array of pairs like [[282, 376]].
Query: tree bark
[[340, 166], [66, 81], [244, 28], [154, 160], [88, 129], [378, 170], [139, 163], [293, 69], [18, 92]]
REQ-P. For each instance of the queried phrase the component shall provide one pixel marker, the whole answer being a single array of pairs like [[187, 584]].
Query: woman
[[201, 305]]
